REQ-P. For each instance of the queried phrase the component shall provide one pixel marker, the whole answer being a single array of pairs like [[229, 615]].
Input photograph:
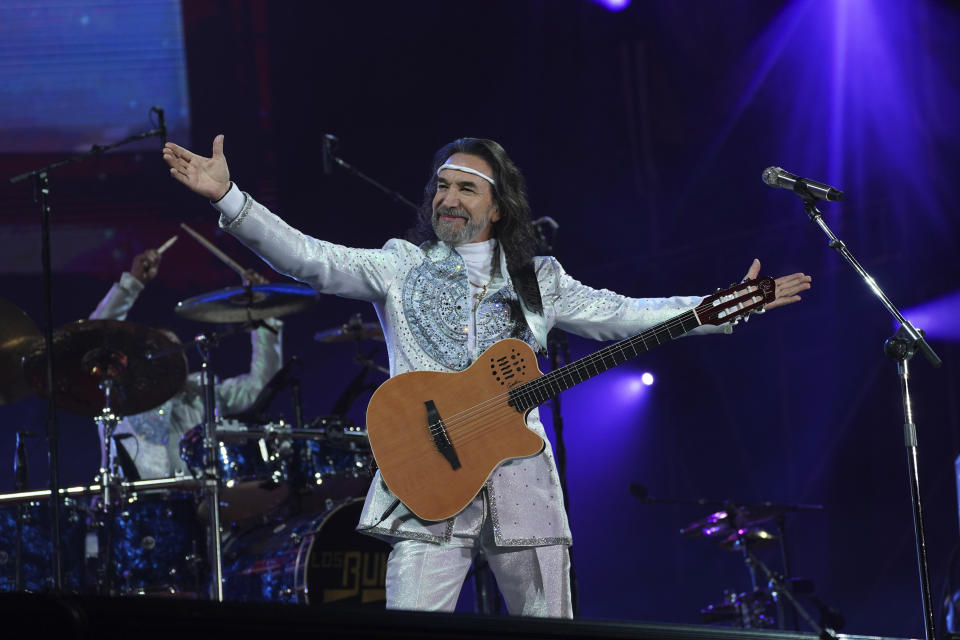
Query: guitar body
[[438, 436]]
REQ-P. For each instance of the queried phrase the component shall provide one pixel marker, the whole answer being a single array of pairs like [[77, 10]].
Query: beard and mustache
[[452, 232]]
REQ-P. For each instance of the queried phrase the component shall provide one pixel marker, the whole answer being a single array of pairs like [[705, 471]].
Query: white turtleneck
[[476, 257]]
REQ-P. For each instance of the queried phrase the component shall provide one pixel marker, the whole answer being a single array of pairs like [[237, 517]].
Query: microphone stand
[[329, 142], [41, 178], [558, 345], [900, 347]]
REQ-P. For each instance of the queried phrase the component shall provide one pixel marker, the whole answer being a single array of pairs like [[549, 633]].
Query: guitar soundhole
[[508, 369]]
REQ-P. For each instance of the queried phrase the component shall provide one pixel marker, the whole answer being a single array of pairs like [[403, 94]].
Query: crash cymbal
[[18, 335], [240, 304], [353, 330], [147, 367]]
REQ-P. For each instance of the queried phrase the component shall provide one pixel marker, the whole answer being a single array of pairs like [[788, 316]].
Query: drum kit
[[776, 598], [284, 497]]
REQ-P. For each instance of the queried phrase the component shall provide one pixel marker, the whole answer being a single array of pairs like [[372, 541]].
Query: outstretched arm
[[787, 289]]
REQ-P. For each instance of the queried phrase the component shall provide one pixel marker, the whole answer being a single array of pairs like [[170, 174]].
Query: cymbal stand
[[205, 344], [107, 421], [900, 347], [782, 589]]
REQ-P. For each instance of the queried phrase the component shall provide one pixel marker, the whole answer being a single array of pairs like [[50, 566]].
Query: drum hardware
[[736, 526]]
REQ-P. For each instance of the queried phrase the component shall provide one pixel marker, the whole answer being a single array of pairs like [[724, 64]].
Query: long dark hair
[[514, 231]]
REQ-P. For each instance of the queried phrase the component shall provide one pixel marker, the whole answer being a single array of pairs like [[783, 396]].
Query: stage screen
[[74, 74]]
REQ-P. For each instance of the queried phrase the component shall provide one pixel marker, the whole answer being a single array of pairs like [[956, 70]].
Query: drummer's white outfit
[[155, 445], [422, 297]]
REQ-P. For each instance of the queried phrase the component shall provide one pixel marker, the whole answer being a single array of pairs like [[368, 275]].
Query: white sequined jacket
[[155, 445], [421, 298]]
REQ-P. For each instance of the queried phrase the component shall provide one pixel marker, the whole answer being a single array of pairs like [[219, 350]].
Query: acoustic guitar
[[437, 436]]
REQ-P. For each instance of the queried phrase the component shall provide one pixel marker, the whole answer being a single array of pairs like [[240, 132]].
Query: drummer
[[153, 437]]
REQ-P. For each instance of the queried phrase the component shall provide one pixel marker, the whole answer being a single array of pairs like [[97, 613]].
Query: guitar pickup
[[441, 439]]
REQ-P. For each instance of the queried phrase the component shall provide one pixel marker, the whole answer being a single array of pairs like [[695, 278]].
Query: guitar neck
[[549, 385]]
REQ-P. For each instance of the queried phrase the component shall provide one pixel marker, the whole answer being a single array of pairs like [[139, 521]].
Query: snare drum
[[319, 560]]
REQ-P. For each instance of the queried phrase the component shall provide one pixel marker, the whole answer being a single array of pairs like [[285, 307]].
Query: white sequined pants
[[428, 576]]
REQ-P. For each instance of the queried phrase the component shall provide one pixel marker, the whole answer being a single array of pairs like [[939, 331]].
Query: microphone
[[777, 177], [162, 129], [329, 140]]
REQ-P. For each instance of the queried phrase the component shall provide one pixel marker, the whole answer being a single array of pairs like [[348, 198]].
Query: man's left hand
[[787, 287]]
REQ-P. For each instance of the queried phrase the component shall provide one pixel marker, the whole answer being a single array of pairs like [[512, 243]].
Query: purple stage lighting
[[647, 378], [937, 318], [614, 5]]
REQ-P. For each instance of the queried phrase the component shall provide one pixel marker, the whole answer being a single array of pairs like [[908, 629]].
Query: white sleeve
[[602, 314], [361, 274], [118, 301]]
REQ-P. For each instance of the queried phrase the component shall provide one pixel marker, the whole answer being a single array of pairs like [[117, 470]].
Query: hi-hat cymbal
[[240, 304], [146, 366], [18, 335]]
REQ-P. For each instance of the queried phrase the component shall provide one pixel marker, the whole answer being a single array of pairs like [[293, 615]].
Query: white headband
[[458, 167]]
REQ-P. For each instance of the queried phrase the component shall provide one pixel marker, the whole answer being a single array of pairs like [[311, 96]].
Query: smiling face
[[463, 208]]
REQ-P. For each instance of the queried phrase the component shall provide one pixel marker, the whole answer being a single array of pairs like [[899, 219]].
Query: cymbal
[[147, 367], [240, 304], [754, 537], [723, 523], [351, 331], [18, 335]]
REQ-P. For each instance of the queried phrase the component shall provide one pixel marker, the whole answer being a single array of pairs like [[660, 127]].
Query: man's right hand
[[208, 177], [145, 265]]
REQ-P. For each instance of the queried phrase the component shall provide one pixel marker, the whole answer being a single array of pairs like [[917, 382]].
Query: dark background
[[643, 132]]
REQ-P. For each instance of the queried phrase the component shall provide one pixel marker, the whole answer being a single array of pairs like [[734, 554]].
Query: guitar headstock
[[740, 300]]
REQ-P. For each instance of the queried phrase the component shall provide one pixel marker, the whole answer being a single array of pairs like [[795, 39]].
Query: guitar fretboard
[[549, 385]]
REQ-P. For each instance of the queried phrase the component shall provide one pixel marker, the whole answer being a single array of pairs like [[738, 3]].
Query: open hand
[[209, 177], [787, 288]]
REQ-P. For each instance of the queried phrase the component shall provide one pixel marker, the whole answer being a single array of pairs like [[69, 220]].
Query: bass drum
[[318, 560]]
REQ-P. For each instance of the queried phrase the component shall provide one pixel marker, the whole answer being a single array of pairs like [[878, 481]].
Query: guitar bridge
[[441, 439]]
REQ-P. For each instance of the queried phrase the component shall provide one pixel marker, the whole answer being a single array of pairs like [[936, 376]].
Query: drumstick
[[220, 254], [166, 245]]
